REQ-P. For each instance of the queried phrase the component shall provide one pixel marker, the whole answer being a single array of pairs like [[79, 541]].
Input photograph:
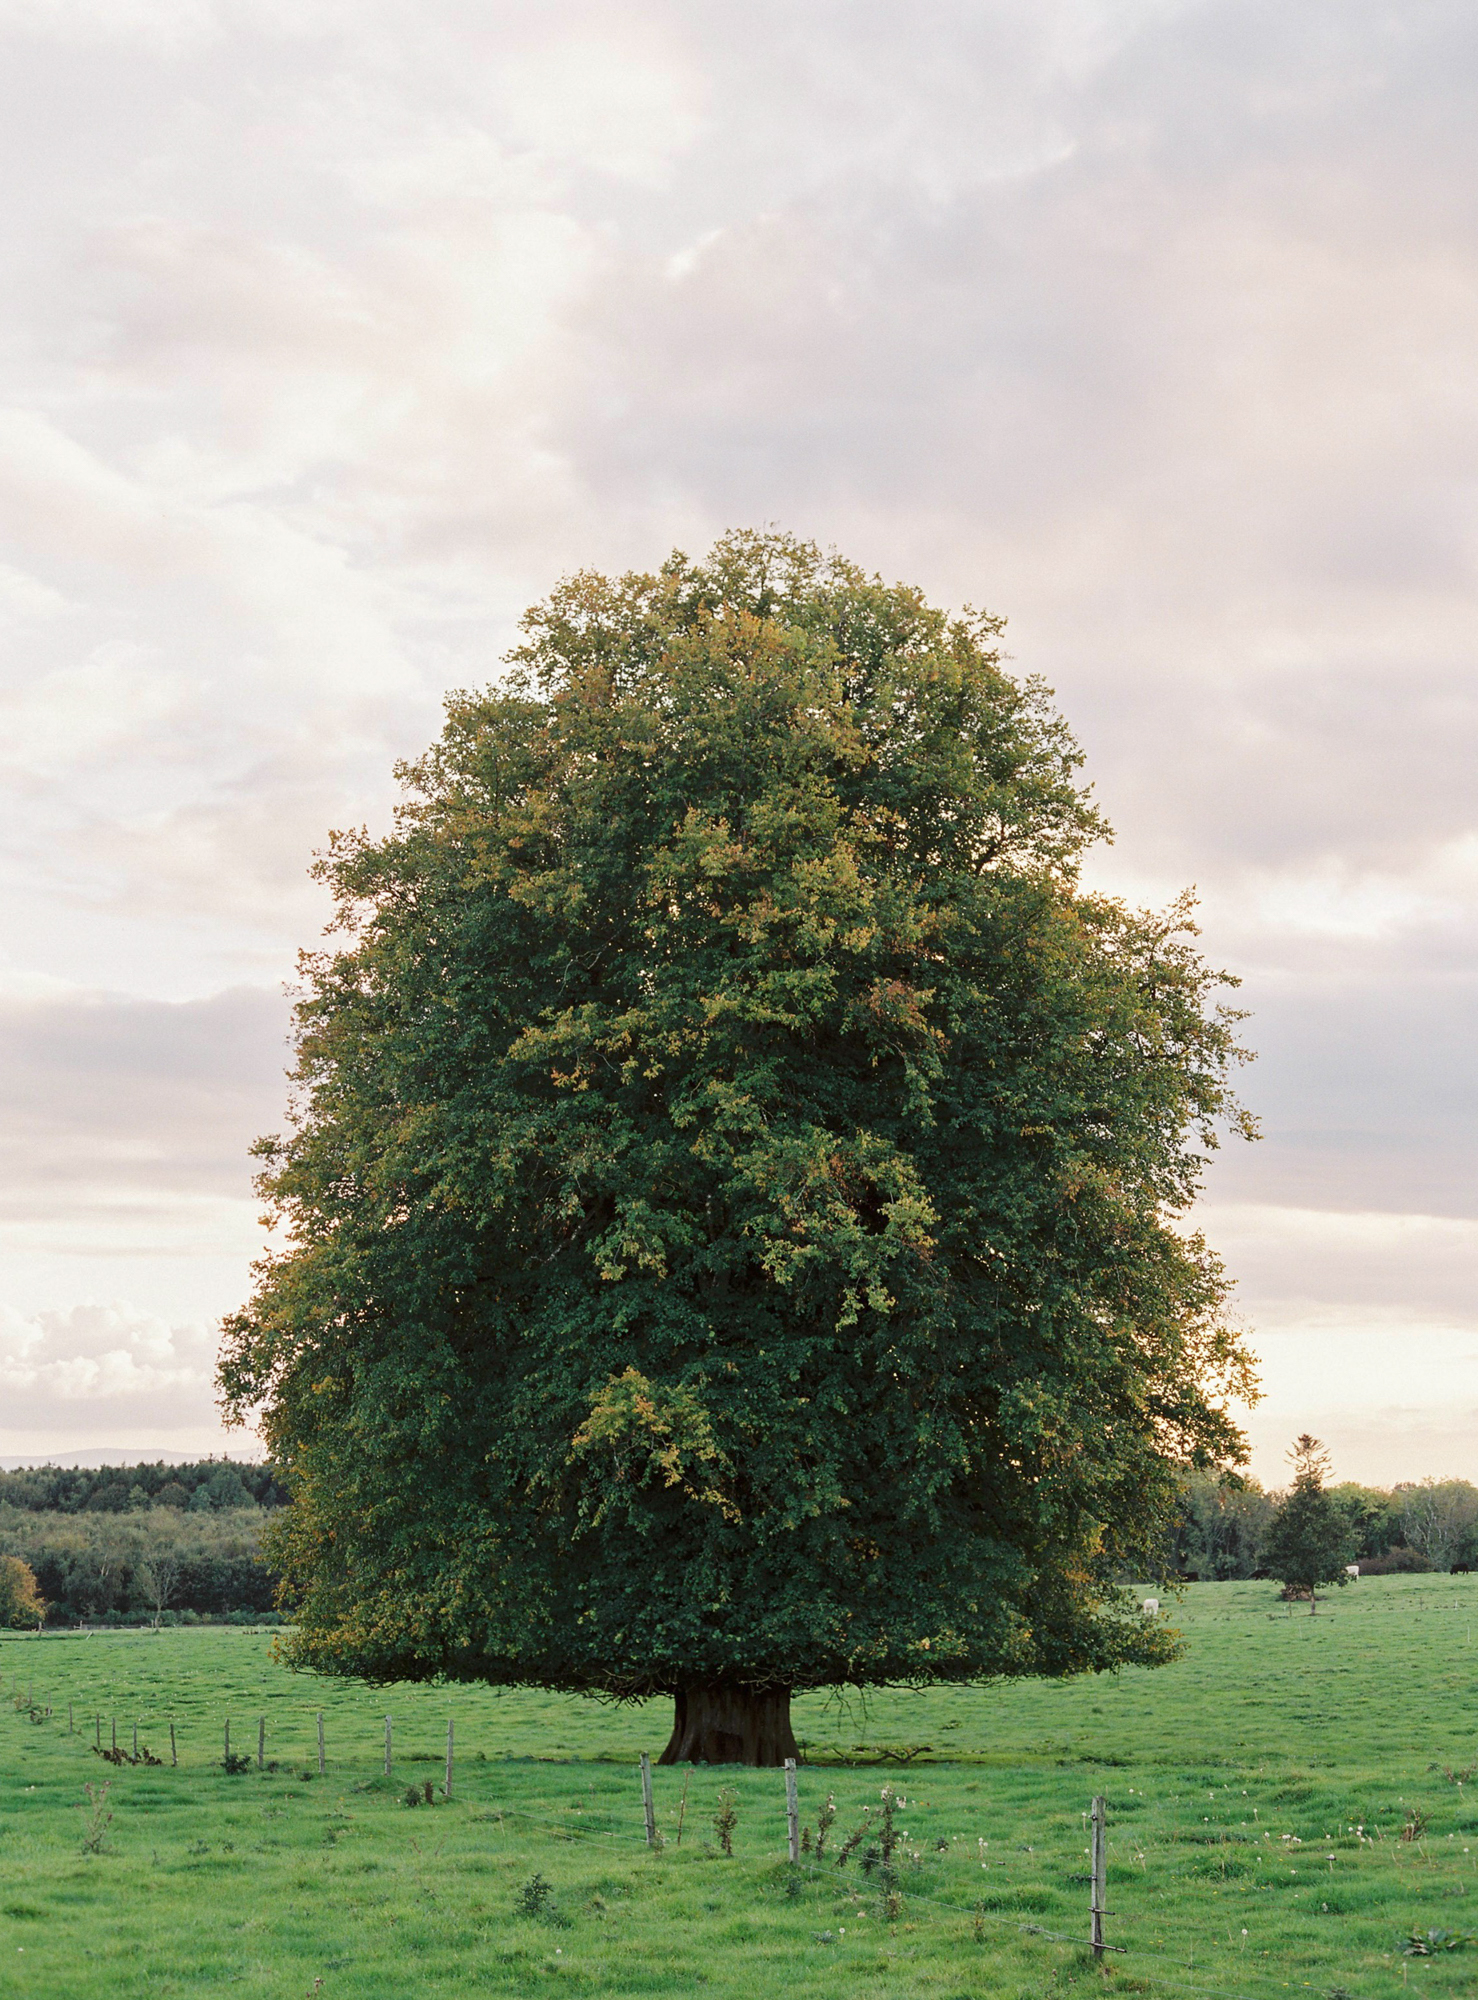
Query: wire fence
[[93, 1730]]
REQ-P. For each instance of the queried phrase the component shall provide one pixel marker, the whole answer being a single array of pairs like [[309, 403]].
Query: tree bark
[[725, 1724]]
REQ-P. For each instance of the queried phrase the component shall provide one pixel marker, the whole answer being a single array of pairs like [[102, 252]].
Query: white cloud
[[602, 102], [1393, 1396], [103, 706], [24, 597], [1365, 1329], [168, 24], [96, 1374], [1295, 1262]]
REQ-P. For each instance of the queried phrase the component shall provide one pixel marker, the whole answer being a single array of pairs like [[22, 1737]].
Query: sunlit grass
[[1258, 1792]]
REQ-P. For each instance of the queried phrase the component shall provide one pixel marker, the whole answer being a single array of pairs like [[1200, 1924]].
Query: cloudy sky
[[336, 330]]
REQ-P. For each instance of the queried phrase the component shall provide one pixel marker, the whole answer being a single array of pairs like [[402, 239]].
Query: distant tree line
[[144, 1544], [211, 1485], [1223, 1526]]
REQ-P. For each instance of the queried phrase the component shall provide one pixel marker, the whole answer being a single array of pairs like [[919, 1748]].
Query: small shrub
[[725, 1820], [233, 1763], [533, 1898], [825, 1820], [411, 1796], [1396, 1562], [536, 1900], [854, 1840]]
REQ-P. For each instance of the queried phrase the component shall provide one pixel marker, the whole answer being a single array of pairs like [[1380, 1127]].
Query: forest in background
[[1223, 1523], [176, 1544], [144, 1544]]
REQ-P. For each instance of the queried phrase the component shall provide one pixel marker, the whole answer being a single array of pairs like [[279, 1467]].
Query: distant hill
[[100, 1455]]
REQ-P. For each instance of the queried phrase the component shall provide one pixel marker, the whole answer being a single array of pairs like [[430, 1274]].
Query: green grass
[[1233, 1778]]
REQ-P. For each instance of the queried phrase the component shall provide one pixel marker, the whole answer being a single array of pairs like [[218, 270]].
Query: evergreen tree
[[1312, 1538], [732, 1188]]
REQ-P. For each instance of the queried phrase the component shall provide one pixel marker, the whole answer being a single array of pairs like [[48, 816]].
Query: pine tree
[[1311, 1540]]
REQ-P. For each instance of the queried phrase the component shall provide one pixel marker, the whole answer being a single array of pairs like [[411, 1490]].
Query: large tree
[[731, 1193]]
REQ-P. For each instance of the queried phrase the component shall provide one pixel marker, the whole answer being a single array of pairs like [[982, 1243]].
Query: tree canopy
[[731, 1198], [21, 1602]]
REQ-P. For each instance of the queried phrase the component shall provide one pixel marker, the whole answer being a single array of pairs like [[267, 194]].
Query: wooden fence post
[[322, 1766], [228, 1739], [446, 1790], [387, 1746], [135, 1740], [97, 1733], [646, 1799], [173, 1757], [69, 1718], [792, 1810], [115, 1733], [261, 1740], [1097, 1895]]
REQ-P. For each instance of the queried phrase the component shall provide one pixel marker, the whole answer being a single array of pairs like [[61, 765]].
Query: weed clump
[[116, 1754], [98, 1818], [725, 1820], [1427, 1944]]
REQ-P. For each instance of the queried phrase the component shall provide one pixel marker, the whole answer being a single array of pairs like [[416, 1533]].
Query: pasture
[[1259, 1794]]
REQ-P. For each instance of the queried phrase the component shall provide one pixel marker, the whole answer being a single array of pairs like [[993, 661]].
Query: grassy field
[[1258, 1793]]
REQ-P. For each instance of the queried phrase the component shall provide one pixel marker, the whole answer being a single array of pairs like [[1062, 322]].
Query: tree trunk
[[724, 1724]]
